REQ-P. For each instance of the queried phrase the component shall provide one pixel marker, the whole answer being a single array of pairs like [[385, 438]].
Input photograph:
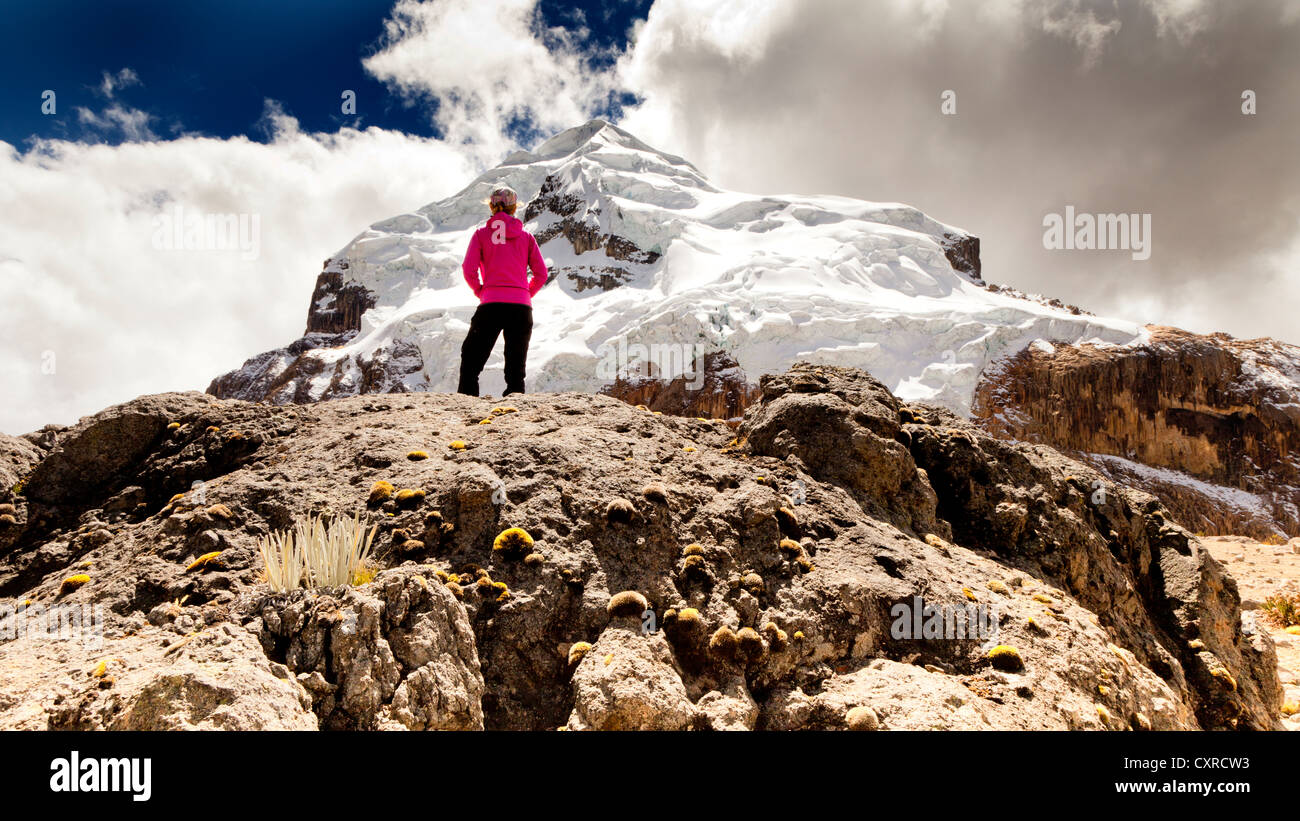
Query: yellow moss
[[1293, 630], [513, 541], [503, 410], [456, 590], [760, 479], [1000, 588], [688, 449], [693, 550], [642, 407], [1290, 708], [577, 650], [723, 642], [1196, 644], [609, 659], [968, 593], [100, 669], [805, 564], [689, 617], [1224, 676], [487, 421], [534, 559], [381, 491], [174, 426], [1103, 689], [1006, 658], [753, 583], [173, 500], [790, 547], [442, 575], [417, 455], [798, 635], [456, 444], [213, 429], [365, 574], [409, 497], [1042, 598], [202, 561], [628, 603], [73, 582], [1103, 714], [934, 541]]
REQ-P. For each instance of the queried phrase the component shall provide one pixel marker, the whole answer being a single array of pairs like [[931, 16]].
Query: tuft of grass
[[1282, 610], [315, 552]]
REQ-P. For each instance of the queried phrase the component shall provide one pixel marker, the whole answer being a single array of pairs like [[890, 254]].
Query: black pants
[[489, 321]]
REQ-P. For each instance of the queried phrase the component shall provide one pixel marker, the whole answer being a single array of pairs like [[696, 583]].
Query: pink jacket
[[504, 251]]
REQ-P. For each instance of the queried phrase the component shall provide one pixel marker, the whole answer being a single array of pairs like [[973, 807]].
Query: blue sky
[[206, 67]]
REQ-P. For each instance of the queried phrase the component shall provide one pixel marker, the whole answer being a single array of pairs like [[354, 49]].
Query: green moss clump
[[576, 651], [776, 637], [750, 644], [620, 511], [723, 644], [513, 542], [408, 498], [380, 492], [73, 583], [1006, 658], [629, 603]]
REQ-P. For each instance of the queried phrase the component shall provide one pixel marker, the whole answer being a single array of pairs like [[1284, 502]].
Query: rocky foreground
[[772, 559]]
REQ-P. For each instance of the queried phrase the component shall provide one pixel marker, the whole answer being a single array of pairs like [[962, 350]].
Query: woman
[[504, 252]]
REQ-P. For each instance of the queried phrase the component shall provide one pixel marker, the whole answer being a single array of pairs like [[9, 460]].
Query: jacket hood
[[513, 226]]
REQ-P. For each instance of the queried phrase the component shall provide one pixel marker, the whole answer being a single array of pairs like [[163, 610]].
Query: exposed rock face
[[1222, 410], [722, 392], [159, 678], [774, 560], [336, 305], [396, 654]]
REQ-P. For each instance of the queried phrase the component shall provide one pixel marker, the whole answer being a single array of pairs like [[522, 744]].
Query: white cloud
[[488, 66], [110, 83], [80, 278]]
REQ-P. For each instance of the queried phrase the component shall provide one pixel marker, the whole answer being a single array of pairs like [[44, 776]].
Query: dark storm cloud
[[1130, 107]]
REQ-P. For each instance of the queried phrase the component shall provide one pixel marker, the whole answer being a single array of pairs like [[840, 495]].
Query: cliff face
[[1223, 411], [723, 392], [774, 560]]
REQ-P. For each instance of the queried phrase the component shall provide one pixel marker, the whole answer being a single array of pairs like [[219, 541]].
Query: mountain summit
[[645, 251]]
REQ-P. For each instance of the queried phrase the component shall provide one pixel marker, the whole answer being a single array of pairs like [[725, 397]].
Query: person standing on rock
[[504, 253]]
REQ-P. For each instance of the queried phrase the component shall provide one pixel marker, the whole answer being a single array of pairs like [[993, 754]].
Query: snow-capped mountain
[[645, 251]]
